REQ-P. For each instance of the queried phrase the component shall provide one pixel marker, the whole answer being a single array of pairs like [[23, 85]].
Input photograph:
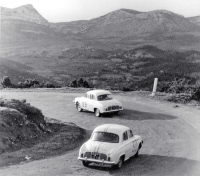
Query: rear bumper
[[96, 161], [111, 111]]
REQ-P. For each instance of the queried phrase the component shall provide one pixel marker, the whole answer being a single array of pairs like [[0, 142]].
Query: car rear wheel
[[97, 112], [119, 164], [85, 163], [78, 107], [137, 153]]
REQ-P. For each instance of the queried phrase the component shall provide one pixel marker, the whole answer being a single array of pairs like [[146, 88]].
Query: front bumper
[[96, 161]]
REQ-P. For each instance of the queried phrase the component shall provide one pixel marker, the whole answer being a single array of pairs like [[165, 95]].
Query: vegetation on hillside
[[129, 70], [28, 83]]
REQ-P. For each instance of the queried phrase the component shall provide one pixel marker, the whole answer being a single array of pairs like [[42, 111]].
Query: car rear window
[[105, 137], [104, 97]]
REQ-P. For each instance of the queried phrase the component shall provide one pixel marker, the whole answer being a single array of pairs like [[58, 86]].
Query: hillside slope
[[26, 13], [26, 24], [125, 22], [122, 24], [17, 72], [195, 20]]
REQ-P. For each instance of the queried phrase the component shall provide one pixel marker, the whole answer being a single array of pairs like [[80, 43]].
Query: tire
[[139, 147], [85, 163], [97, 112], [137, 153], [116, 113], [78, 107], [119, 164]]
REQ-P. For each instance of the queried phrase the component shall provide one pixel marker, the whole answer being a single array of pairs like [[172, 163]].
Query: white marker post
[[155, 86]]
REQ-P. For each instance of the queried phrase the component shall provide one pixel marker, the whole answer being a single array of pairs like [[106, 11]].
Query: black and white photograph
[[99, 88]]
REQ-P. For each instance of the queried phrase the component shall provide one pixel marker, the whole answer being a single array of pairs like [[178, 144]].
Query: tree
[[6, 82], [80, 83], [73, 83]]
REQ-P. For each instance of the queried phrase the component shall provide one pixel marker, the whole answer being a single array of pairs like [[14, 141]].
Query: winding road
[[171, 136]]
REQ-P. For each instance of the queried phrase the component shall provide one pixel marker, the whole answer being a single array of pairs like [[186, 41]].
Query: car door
[[84, 102], [127, 145], [90, 102], [132, 142]]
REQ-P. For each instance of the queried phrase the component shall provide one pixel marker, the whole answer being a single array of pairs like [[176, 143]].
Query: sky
[[73, 10]]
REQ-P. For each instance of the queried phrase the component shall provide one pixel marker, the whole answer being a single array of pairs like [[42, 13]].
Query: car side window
[[85, 95], [130, 134], [125, 136], [91, 96]]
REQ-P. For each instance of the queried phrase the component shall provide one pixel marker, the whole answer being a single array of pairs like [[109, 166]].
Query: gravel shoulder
[[171, 135]]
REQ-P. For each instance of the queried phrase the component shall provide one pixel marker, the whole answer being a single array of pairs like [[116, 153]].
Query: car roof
[[98, 92], [112, 128]]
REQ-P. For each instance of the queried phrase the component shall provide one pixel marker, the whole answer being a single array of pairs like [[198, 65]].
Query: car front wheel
[[97, 112], [78, 107], [85, 163]]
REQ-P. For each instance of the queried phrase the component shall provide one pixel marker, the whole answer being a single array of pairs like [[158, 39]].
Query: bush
[[29, 83], [184, 90], [80, 83], [6, 82], [49, 85]]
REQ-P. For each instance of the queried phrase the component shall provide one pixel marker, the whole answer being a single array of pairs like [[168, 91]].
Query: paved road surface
[[171, 137]]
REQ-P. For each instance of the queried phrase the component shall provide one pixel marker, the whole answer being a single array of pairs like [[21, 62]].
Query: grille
[[100, 156], [109, 108], [87, 154], [103, 156], [113, 108]]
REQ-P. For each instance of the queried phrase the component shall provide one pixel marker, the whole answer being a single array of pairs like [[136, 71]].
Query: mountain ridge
[[128, 26], [124, 22], [25, 12], [195, 20]]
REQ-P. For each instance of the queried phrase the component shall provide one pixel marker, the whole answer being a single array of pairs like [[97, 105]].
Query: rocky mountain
[[124, 22], [195, 20], [26, 13], [24, 25], [117, 16]]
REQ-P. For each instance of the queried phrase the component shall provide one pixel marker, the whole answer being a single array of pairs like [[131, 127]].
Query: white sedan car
[[99, 102], [110, 144]]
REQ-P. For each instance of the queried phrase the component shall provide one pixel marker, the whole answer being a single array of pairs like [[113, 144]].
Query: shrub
[[80, 83], [49, 85], [6, 82]]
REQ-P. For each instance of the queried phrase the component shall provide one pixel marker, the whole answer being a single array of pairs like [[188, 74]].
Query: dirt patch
[[25, 134]]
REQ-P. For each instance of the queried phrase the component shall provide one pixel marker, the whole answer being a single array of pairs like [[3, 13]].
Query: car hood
[[110, 102], [100, 147]]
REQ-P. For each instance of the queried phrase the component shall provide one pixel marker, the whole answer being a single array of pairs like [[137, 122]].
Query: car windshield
[[105, 137], [104, 97]]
